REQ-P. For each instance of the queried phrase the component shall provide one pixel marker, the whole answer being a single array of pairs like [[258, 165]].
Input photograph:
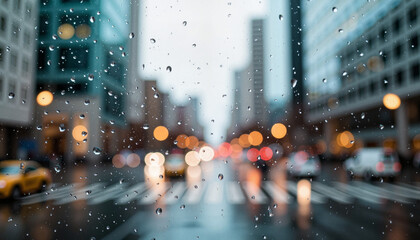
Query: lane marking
[[358, 193], [332, 193], [277, 193], [79, 194], [315, 197], [175, 193], [254, 193], [194, 195]]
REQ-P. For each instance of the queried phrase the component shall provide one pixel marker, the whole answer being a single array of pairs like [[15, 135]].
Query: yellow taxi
[[19, 177]]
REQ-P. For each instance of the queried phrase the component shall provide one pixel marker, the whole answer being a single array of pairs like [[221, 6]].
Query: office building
[[18, 21]]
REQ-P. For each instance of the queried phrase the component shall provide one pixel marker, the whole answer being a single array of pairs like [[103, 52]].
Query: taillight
[[380, 167], [397, 167]]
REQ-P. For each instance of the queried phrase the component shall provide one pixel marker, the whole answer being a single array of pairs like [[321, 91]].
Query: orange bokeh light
[[391, 101], [192, 142], [182, 141], [161, 133], [278, 130], [79, 133], [44, 98], [243, 141], [255, 138]]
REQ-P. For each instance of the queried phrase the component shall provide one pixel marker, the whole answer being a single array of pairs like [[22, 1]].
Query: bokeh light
[[83, 31], [345, 139], [206, 153], [266, 153], [79, 133], [161, 133], [133, 160], [118, 161], [192, 142], [243, 141], [278, 130], [304, 192], [391, 101], [192, 158], [44, 98], [65, 31], [182, 141], [255, 138], [154, 159], [252, 154], [225, 149]]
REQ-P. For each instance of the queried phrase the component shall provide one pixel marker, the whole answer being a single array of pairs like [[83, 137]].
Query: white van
[[373, 162]]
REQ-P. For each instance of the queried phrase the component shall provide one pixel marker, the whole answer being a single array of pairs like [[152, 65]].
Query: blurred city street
[[218, 199]]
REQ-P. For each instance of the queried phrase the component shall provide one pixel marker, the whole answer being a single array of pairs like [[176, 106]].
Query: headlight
[[3, 184]]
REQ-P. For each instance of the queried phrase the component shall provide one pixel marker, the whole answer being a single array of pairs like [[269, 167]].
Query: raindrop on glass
[[324, 80], [57, 168], [97, 150], [62, 128], [158, 211], [92, 19], [381, 126], [146, 126], [131, 35], [156, 95], [362, 116], [334, 9], [281, 17], [184, 23], [169, 68], [11, 95], [152, 40], [220, 176], [87, 101], [293, 82]]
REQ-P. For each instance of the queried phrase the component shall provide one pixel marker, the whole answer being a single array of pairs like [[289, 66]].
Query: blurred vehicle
[[302, 164], [373, 162], [416, 160], [175, 165], [19, 177]]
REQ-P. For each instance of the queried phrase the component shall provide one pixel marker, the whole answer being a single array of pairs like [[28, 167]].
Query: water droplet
[[156, 95], [184, 23], [344, 73], [92, 19], [281, 17], [182, 206], [169, 68], [22, 165], [62, 128], [293, 82], [88, 192], [362, 116], [82, 116], [158, 211], [57, 168], [97, 150], [324, 80], [161, 176], [152, 40], [220, 176], [11, 95], [87, 101], [107, 227], [39, 127], [112, 122], [122, 180], [381, 126], [334, 9], [340, 30], [91, 77], [131, 35], [51, 48], [146, 126]]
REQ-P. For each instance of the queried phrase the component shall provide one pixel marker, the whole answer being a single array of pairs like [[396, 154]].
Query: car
[[175, 165], [19, 177], [303, 164], [373, 162]]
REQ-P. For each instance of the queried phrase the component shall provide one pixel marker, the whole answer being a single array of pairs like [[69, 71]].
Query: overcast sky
[[204, 42]]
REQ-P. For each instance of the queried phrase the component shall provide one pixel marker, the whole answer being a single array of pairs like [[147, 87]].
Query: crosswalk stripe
[[175, 193], [358, 193], [107, 194], [154, 194], [194, 194], [332, 193], [315, 197], [277, 193], [234, 193], [382, 193], [254, 193], [214, 193], [58, 192], [79, 194], [132, 193], [404, 190]]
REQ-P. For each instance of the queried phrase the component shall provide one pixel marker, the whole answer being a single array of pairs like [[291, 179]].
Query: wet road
[[108, 203]]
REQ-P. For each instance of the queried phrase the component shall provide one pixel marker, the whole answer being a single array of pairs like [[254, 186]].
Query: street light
[[391, 101]]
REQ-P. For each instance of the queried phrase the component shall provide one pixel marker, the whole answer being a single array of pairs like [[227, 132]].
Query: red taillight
[[380, 167], [397, 167]]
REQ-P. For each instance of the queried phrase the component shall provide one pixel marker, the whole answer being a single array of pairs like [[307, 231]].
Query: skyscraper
[[82, 60], [17, 73]]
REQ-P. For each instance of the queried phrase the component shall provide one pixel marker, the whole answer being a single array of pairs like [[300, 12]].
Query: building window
[[24, 94], [361, 92], [412, 15], [384, 58], [13, 61], [399, 78], [415, 72], [42, 58], [74, 58], [15, 32], [28, 13], [383, 34], [27, 38], [398, 51], [25, 67], [397, 25], [385, 82], [1, 88], [372, 87], [43, 25], [17, 4], [12, 89], [414, 42], [3, 23], [371, 42], [1, 56]]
